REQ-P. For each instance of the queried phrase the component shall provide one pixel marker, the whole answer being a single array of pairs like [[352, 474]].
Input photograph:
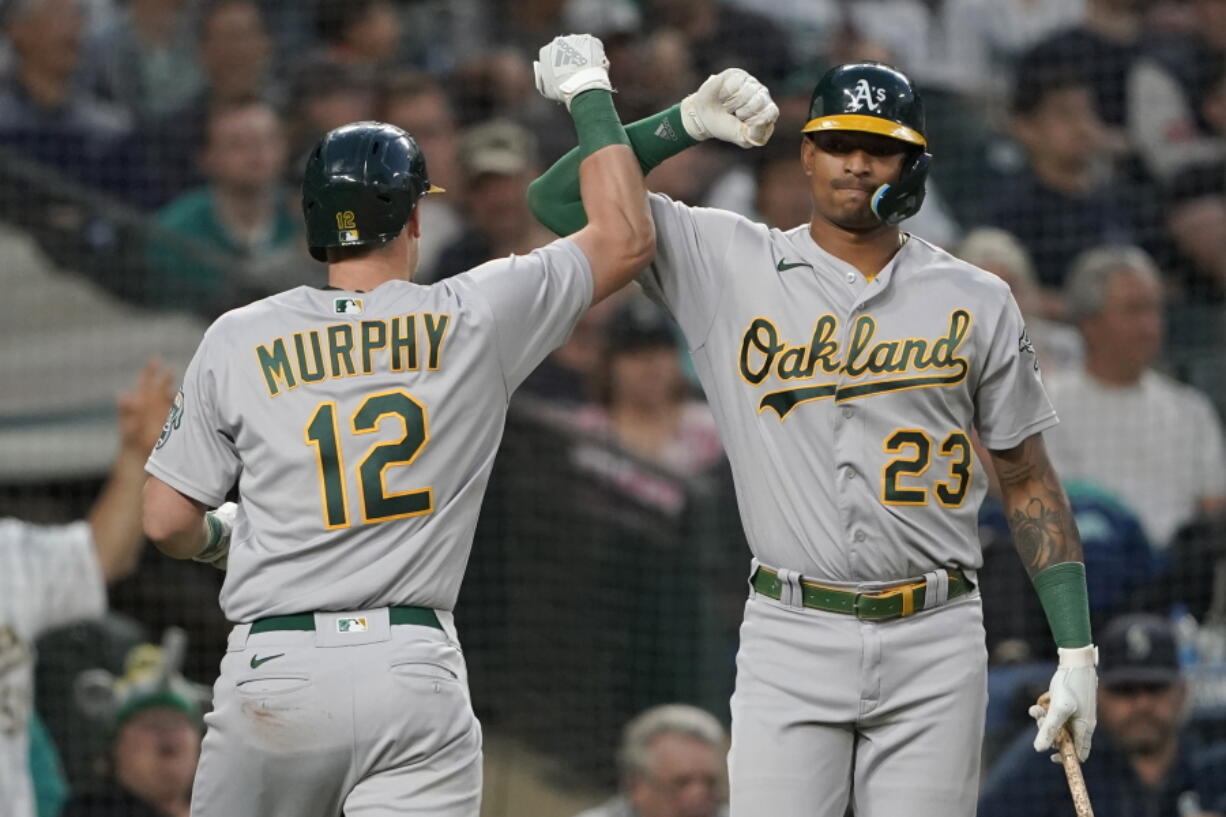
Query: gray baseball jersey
[[846, 405], [360, 429], [49, 577]]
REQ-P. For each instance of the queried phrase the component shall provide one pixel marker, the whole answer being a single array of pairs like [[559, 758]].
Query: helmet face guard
[[871, 97], [361, 184]]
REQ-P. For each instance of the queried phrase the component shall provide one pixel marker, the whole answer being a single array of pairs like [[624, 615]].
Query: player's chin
[[856, 219]]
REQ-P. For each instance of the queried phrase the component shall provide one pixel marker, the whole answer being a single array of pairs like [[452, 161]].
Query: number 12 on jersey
[[323, 432]]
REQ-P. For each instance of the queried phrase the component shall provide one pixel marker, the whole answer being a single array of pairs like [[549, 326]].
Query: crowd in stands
[[155, 147]]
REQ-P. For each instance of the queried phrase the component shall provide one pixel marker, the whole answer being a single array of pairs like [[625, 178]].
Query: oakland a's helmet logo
[[864, 96]]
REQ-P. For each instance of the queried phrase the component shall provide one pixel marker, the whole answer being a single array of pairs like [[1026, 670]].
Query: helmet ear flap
[[893, 203]]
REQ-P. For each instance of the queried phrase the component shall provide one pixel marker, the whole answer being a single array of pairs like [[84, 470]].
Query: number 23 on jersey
[[323, 433], [914, 447]]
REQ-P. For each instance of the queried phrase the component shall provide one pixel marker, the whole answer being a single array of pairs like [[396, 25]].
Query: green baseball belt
[[421, 616], [893, 602]]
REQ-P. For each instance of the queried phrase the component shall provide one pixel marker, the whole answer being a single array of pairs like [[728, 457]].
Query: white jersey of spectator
[[1162, 123], [964, 45], [1156, 445], [361, 428], [49, 577]]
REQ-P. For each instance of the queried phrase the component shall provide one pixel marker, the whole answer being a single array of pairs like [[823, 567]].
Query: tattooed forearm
[[1044, 531]]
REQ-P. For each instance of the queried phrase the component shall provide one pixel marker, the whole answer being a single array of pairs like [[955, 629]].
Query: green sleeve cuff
[[596, 122], [1066, 602], [554, 197]]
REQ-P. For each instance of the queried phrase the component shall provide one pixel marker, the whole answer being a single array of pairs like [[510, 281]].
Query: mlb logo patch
[[351, 625], [348, 306], [348, 236]]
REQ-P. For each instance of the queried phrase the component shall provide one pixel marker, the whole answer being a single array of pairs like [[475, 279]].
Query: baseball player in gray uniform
[[848, 365], [359, 423]]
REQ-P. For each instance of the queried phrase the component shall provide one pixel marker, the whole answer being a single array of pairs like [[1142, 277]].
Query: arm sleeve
[[689, 274], [1010, 401], [49, 576], [196, 454], [534, 300], [554, 198]]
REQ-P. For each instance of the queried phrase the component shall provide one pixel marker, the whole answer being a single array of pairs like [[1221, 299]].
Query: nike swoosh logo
[[256, 661], [784, 265]]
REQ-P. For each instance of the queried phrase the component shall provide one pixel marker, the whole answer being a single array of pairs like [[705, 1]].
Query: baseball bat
[[1072, 768]]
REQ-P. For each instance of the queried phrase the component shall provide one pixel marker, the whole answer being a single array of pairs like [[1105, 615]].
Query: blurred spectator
[[1196, 215], [56, 575], [1102, 49], [1143, 762], [1057, 345], [361, 34], [722, 36], [47, 116], [244, 214], [812, 25], [441, 34], [323, 96], [671, 762], [497, 160], [782, 198], [146, 59], [643, 397], [155, 717], [1153, 442], [1166, 91], [235, 52], [565, 378], [416, 102], [960, 46], [1062, 202]]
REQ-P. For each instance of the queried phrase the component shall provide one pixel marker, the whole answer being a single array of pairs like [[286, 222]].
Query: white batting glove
[[220, 524], [732, 106], [1074, 700], [570, 65]]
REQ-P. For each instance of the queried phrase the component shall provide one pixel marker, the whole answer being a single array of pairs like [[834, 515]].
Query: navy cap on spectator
[[1138, 649]]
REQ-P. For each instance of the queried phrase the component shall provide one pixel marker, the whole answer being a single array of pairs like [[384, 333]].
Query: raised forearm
[[555, 197], [115, 518]]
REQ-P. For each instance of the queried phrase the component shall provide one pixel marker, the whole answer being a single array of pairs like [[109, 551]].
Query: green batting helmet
[[872, 97], [361, 184]]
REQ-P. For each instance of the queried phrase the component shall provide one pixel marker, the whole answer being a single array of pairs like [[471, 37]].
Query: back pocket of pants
[[273, 685], [423, 670]]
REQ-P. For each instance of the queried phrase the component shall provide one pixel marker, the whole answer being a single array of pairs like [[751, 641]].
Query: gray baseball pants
[[829, 708], [369, 723]]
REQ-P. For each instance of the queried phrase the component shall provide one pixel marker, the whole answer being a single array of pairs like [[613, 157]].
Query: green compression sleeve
[[1062, 592], [596, 122], [554, 197]]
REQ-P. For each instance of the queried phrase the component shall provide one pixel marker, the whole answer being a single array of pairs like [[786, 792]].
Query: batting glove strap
[[1074, 700]]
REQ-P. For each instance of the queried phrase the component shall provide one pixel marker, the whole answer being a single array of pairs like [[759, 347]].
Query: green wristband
[[1066, 602], [596, 122], [659, 137]]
